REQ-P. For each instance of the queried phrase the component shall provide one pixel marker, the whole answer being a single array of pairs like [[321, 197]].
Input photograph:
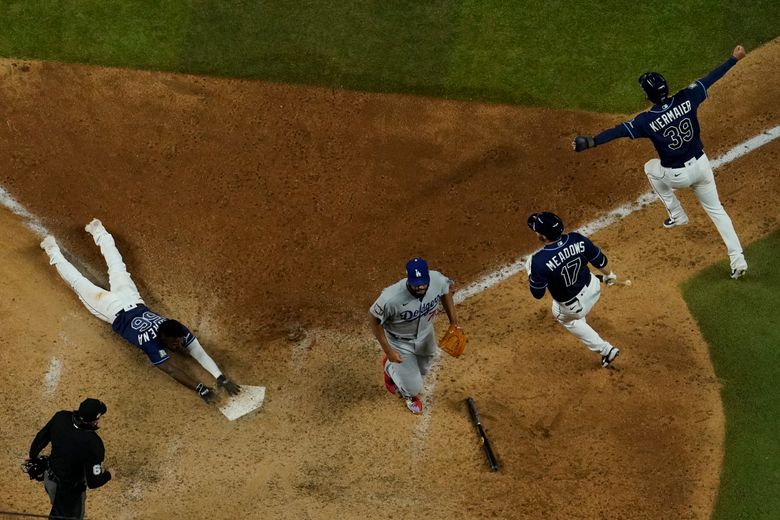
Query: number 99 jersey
[[673, 126], [562, 267]]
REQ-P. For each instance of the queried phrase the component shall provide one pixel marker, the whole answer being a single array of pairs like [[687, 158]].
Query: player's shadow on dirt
[[481, 166]]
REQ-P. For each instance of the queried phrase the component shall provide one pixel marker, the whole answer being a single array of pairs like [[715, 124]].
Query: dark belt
[[681, 164], [396, 336], [570, 302]]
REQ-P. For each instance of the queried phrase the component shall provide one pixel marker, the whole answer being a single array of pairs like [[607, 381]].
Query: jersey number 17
[[571, 271]]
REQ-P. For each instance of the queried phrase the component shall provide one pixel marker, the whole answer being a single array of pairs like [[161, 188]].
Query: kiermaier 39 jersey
[[672, 126], [404, 315], [139, 327], [562, 267]]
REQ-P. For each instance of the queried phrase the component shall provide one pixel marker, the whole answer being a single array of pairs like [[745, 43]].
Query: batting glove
[[206, 393], [229, 386], [610, 278], [582, 142]]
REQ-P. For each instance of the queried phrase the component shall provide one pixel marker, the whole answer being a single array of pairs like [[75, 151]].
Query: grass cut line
[[739, 322], [584, 55]]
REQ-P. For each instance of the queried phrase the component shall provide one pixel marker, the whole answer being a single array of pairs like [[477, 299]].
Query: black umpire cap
[[90, 409]]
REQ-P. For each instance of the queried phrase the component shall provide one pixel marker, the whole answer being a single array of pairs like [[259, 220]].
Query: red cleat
[[389, 384], [414, 405]]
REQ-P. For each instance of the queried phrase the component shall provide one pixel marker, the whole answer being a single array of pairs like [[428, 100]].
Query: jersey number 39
[[680, 134]]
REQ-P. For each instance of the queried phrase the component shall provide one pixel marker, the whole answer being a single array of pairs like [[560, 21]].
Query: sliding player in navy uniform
[[123, 307], [561, 267], [673, 127]]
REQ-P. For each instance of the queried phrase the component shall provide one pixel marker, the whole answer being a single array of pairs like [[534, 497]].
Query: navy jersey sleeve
[[628, 129], [594, 254], [717, 73], [537, 279], [698, 89], [189, 337]]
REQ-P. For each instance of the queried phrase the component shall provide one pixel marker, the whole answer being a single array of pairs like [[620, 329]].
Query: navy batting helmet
[[655, 86], [547, 224]]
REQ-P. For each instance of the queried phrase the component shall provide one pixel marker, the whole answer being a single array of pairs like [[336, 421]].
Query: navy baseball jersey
[[562, 267], [673, 125], [139, 327]]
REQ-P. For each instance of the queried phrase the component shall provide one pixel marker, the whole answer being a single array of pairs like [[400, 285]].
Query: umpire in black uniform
[[76, 460]]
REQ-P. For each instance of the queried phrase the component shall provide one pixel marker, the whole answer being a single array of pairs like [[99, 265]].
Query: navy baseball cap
[[417, 272], [91, 409]]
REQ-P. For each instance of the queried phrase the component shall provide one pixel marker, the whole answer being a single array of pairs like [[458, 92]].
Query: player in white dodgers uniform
[[123, 307], [402, 321]]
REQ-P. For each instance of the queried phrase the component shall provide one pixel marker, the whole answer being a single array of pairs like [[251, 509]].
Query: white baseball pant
[[572, 316], [697, 175], [104, 304]]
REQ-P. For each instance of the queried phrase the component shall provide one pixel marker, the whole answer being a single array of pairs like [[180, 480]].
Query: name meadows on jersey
[[570, 250]]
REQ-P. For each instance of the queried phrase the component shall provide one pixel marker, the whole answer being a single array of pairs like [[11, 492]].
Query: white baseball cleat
[[738, 273], [674, 222], [93, 226], [48, 243], [607, 359]]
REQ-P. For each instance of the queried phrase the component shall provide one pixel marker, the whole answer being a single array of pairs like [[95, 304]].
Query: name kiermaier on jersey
[[670, 116], [565, 253]]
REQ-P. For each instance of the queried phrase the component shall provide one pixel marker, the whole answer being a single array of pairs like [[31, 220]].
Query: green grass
[[559, 54], [739, 320]]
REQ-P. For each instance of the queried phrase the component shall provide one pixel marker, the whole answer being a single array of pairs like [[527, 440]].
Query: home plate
[[250, 399]]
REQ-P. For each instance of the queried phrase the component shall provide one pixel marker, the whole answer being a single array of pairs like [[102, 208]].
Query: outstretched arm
[[723, 68], [583, 142], [176, 371], [201, 356]]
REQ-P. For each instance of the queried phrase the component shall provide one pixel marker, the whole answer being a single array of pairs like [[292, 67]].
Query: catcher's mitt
[[36, 467], [454, 341]]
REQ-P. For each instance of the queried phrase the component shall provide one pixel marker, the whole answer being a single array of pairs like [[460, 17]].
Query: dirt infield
[[268, 217]]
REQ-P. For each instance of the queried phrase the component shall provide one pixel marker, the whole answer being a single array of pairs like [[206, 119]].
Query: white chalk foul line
[[502, 273], [507, 271], [52, 377], [30, 220]]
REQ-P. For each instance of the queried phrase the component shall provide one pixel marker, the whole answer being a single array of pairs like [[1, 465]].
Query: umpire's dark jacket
[[77, 452]]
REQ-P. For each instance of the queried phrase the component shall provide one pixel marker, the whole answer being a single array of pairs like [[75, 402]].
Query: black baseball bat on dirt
[[491, 457]]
